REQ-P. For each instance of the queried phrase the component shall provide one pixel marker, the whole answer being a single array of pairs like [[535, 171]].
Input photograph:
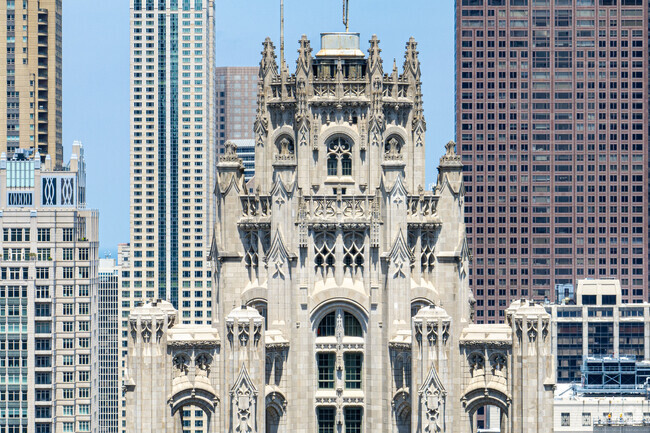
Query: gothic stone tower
[[340, 297]]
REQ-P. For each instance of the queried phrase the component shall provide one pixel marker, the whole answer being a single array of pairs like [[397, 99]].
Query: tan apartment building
[[31, 49]]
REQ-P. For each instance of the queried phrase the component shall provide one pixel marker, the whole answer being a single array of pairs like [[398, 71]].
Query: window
[[42, 273], [68, 291], [351, 326], [339, 158], [84, 409], [327, 326], [326, 363], [42, 292], [68, 360], [84, 308], [353, 362], [586, 419], [68, 376], [68, 254], [83, 253], [326, 419], [68, 410], [565, 419], [353, 417], [68, 427], [43, 235], [67, 234]]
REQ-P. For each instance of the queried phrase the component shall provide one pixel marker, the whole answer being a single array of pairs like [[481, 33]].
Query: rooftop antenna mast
[[346, 13], [281, 33]]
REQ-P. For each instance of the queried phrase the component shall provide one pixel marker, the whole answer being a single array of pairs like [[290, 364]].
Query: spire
[[304, 56], [411, 61], [374, 57], [268, 63]]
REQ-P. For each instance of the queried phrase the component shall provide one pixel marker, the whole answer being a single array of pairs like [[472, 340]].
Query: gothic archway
[[194, 406]]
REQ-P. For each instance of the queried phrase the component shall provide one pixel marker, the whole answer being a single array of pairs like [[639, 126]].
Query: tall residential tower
[[172, 153], [48, 290], [31, 49], [551, 123]]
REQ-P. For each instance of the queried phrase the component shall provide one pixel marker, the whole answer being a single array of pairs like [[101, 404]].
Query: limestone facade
[[340, 294]]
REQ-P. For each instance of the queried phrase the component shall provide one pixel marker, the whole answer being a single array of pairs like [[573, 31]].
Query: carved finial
[[268, 63], [303, 61], [411, 61], [231, 148], [374, 57], [230, 154], [451, 148]]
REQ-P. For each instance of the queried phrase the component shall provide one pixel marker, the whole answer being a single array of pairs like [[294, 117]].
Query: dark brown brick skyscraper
[[551, 124]]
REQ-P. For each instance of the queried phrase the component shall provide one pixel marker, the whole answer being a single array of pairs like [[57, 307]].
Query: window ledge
[[340, 180]]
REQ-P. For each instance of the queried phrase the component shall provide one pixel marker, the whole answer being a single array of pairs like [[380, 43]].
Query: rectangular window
[[353, 417], [565, 419], [68, 253], [326, 419], [353, 362], [83, 254], [67, 234], [43, 235], [326, 363]]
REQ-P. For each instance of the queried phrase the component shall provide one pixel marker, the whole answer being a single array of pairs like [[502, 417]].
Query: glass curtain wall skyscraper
[[172, 153], [551, 124]]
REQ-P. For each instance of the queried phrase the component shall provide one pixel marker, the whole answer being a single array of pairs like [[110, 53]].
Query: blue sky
[[96, 74]]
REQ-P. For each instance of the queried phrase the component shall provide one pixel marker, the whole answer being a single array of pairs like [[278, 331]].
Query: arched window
[[327, 326], [340, 366], [261, 308], [351, 326], [339, 157]]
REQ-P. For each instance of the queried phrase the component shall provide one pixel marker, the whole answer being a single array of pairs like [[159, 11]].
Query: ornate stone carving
[[432, 396], [203, 362], [399, 257], [498, 362], [244, 403], [230, 153], [476, 362], [146, 330], [181, 364]]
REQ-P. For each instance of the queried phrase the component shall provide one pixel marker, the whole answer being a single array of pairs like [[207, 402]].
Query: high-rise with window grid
[[172, 158], [31, 49], [172, 152], [551, 124]]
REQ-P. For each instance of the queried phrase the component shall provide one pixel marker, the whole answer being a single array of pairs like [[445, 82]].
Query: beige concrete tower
[[31, 49], [339, 277]]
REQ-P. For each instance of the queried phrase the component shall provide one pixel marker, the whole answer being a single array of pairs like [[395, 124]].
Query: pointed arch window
[[339, 157]]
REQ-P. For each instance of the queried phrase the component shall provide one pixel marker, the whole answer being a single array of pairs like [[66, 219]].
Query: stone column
[[148, 376], [432, 393], [533, 372], [244, 380]]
